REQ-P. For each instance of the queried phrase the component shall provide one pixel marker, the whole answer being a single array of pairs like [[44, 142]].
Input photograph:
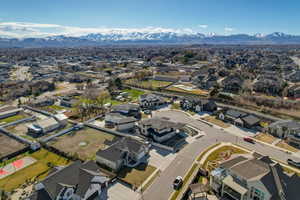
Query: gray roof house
[[248, 177], [159, 129], [130, 110], [151, 101], [198, 105], [82, 181], [125, 152], [284, 128], [120, 122]]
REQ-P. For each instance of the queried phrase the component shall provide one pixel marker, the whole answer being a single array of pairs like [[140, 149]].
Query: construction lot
[[9, 145], [83, 143]]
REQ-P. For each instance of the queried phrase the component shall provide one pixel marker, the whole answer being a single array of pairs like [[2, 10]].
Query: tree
[[118, 83]]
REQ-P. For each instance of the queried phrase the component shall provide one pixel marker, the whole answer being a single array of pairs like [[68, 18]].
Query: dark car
[[248, 139], [293, 163], [177, 183]]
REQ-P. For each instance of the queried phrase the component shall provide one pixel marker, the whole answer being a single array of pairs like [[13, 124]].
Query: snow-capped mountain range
[[148, 37]]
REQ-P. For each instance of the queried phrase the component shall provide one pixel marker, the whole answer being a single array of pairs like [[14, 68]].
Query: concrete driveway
[[161, 158], [119, 191]]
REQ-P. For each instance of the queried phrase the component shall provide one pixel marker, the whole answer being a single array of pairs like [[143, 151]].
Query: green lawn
[[135, 94], [136, 176], [39, 169], [55, 107], [12, 118]]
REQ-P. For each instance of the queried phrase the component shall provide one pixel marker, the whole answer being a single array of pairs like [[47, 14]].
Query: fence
[[19, 121], [38, 111], [45, 140]]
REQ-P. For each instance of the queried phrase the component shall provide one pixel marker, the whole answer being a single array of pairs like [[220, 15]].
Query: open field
[[188, 90], [149, 84], [265, 138], [12, 118], [38, 170], [83, 143], [134, 94], [54, 108], [9, 145], [284, 145], [215, 121], [136, 176]]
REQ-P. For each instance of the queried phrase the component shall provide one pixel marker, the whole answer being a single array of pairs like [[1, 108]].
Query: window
[[256, 194]]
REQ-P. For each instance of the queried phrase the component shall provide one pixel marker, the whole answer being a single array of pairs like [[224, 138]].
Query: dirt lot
[[85, 143], [265, 138], [215, 121], [9, 145], [286, 146]]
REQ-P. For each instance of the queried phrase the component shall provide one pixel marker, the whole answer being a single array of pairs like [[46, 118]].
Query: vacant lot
[[39, 170], [9, 145], [136, 176], [84, 143], [187, 91], [284, 145], [215, 121], [265, 138]]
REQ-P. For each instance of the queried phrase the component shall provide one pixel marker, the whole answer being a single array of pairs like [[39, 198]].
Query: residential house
[[284, 128], [198, 105], [8, 111], [125, 152], [129, 110], [254, 177], [151, 101], [159, 129], [43, 126], [232, 84], [120, 122], [41, 102], [68, 102], [80, 181]]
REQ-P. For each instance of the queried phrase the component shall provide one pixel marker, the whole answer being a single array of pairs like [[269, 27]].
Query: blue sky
[[219, 16]]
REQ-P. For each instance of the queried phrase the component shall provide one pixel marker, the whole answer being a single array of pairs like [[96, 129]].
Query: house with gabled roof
[[254, 177], [82, 181]]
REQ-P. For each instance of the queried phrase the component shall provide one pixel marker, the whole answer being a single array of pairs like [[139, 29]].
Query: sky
[[19, 18]]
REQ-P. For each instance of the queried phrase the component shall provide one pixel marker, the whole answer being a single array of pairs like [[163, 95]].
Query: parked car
[[177, 183], [248, 139], [147, 112], [293, 163]]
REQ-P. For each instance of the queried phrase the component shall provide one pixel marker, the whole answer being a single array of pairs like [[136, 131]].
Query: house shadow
[[162, 152], [127, 170]]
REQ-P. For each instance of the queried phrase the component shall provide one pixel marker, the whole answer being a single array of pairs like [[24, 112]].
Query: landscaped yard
[[265, 138], [134, 94], [39, 169], [149, 84], [54, 107], [12, 118], [284, 145], [213, 120], [83, 143], [136, 176], [221, 154]]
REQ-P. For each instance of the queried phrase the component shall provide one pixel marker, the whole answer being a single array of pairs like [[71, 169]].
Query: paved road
[[161, 189]]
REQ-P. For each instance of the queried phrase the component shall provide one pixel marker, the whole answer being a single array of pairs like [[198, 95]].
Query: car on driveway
[[177, 183], [248, 139], [293, 163]]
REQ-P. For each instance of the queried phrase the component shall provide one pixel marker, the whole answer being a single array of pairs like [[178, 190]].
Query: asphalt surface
[[161, 188]]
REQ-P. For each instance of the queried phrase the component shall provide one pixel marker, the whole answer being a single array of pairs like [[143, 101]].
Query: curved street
[[161, 188]]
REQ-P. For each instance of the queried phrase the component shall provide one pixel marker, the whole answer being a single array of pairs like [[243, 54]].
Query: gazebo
[[199, 190]]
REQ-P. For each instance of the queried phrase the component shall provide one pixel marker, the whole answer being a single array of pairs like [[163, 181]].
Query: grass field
[[134, 94], [215, 121], [84, 143], [38, 170], [194, 91], [136, 176], [9, 145], [265, 138], [12, 118], [54, 107], [149, 84]]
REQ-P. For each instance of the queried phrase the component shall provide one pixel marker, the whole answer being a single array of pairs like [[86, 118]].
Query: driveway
[[161, 189], [119, 191], [160, 158]]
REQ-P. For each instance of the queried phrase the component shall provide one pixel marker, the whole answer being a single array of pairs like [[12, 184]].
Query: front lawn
[[284, 145], [136, 176], [265, 138], [38, 170]]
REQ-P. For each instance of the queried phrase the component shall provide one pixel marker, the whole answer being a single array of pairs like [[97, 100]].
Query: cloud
[[204, 26], [229, 29], [23, 30]]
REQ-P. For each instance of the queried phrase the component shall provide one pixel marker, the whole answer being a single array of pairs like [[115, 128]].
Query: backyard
[[136, 176], [39, 170], [12, 118], [9, 145], [83, 143]]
